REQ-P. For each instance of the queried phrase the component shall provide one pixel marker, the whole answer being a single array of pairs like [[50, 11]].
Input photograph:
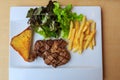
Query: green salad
[[52, 20]]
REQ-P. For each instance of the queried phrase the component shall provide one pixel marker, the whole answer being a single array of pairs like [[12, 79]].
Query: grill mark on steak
[[53, 52]]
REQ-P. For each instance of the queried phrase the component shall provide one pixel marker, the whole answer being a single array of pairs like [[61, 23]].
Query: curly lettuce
[[64, 16]]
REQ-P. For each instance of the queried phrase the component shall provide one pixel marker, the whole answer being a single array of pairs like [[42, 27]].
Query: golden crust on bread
[[22, 43]]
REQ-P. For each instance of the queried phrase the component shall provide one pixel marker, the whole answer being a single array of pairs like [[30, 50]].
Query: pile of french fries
[[82, 35]]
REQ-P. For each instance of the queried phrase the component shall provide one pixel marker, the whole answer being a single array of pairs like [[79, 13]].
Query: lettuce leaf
[[64, 16]]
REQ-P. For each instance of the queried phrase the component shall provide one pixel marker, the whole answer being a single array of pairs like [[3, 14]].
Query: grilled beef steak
[[53, 52]]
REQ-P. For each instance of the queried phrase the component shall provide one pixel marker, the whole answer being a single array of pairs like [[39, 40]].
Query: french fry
[[93, 28], [77, 26], [91, 45], [81, 43], [93, 41], [88, 29], [70, 46], [71, 26], [87, 24], [80, 35], [81, 26], [86, 38], [87, 32], [89, 39]]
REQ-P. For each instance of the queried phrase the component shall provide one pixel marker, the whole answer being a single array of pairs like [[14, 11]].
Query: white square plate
[[87, 66]]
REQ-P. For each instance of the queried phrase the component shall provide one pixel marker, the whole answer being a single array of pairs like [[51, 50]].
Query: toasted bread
[[22, 43]]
